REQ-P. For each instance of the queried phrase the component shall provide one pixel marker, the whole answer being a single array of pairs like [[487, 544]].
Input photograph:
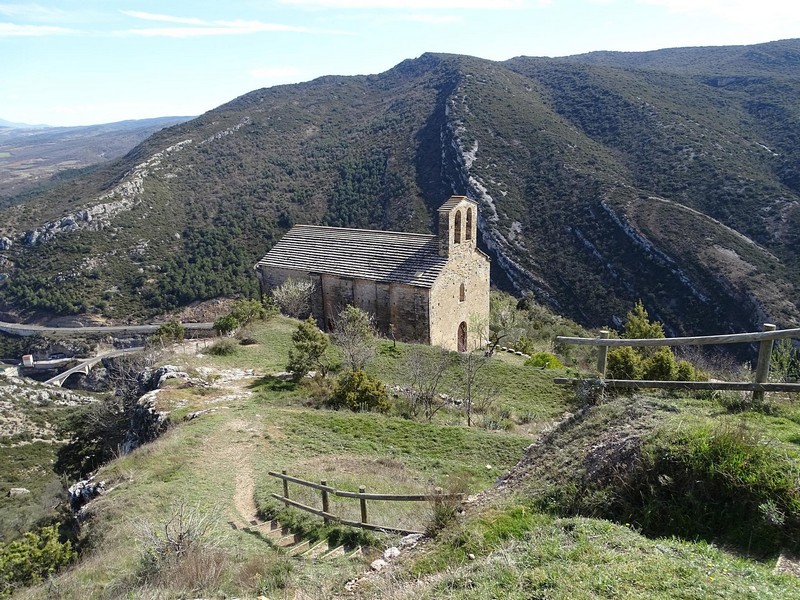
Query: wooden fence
[[758, 387], [361, 495]]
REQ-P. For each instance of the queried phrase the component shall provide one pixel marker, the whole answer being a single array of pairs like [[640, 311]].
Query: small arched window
[[457, 232], [462, 293], [468, 235]]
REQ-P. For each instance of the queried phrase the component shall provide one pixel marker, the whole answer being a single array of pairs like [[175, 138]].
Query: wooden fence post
[[602, 354], [325, 504], [762, 367], [285, 486], [362, 490]]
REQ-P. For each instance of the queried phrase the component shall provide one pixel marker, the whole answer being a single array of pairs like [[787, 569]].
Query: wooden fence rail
[[361, 495], [758, 387]]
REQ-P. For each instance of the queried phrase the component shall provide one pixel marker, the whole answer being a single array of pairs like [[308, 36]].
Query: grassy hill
[[525, 538], [605, 178]]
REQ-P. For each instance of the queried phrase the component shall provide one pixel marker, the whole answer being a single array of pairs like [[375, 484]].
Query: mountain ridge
[[599, 185]]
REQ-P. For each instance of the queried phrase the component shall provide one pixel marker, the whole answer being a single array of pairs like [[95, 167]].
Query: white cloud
[[200, 27], [146, 16], [415, 4], [12, 30], [32, 12]]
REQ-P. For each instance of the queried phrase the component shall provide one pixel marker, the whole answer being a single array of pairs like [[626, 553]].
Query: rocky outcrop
[[153, 379], [83, 491], [146, 423], [122, 197]]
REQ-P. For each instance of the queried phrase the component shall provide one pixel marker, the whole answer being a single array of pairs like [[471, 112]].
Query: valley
[[615, 191], [236, 416]]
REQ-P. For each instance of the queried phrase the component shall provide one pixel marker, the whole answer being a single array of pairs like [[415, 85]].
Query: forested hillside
[[671, 176]]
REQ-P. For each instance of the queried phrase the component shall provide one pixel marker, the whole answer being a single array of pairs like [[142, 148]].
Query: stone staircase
[[295, 545]]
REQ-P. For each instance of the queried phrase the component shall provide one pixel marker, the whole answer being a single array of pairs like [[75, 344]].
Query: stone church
[[419, 288]]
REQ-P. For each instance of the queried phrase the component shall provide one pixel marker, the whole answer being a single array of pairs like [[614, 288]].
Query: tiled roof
[[453, 201], [383, 256]]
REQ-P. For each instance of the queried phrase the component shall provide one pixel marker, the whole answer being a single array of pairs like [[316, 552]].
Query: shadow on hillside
[[273, 384]]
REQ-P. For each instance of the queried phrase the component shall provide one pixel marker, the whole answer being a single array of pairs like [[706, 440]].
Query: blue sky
[[70, 62]]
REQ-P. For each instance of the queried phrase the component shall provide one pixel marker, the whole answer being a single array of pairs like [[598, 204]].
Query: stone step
[[357, 552], [317, 550], [335, 553], [278, 534], [289, 540], [299, 548]]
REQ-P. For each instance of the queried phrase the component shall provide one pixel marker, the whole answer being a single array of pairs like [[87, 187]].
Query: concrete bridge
[[85, 365], [25, 330]]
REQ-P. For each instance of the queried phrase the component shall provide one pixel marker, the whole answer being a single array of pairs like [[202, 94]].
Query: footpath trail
[[232, 448]]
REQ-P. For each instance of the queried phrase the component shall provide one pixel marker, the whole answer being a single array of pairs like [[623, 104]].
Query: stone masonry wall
[[466, 266], [448, 311], [399, 310]]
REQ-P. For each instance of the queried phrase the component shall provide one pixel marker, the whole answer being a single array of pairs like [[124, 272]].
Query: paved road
[[28, 330]]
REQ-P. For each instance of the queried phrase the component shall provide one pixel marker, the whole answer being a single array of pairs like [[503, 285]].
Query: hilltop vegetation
[[571, 495], [605, 178]]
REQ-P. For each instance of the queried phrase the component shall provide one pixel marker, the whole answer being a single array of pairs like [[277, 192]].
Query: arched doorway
[[462, 337]]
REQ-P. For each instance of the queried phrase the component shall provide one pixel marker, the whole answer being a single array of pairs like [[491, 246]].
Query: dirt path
[[233, 446], [243, 495]]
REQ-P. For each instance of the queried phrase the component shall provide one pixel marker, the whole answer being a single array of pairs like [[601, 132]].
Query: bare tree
[[505, 322], [472, 362], [354, 334], [293, 297], [425, 369]]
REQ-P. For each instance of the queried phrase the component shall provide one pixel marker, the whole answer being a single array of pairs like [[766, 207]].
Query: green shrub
[[638, 325], [686, 371], [319, 389], [226, 324], [722, 484], [359, 391], [784, 362], [624, 363], [660, 365], [308, 351], [32, 558], [245, 311], [648, 362], [544, 360], [169, 333], [715, 483], [223, 347]]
